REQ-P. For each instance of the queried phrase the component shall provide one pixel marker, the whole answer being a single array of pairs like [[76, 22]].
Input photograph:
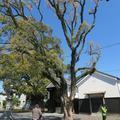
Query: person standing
[[36, 113], [104, 112]]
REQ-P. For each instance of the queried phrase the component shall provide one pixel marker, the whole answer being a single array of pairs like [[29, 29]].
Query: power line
[[109, 46], [104, 47], [113, 70]]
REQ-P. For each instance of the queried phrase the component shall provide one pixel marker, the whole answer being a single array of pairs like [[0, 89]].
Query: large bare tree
[[77, 20]]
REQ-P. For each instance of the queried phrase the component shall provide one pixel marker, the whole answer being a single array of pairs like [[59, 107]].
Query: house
[[22, 101], [92, 91], [3, 98]]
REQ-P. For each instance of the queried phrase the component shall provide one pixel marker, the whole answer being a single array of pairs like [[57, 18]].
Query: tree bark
[[67, 107], [67, 101], [68, 113]]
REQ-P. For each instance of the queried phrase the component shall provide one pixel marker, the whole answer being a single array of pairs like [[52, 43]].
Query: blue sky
[[1, 84], [106, 32]]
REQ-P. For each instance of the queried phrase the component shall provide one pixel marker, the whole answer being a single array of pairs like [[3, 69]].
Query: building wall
[[113, 105], [2, 98], [22, 100], [83, 105], [118, 86], [98, 83], [54, 100]]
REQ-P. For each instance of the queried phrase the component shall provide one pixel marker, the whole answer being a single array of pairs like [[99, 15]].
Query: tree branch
[[73, 22], [87, 72], [82, 68], [82, 10], [38, 8], [60, 16], [84, 34]]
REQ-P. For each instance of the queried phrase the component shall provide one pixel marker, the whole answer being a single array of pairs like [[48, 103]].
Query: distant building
[[2, 99], [92, 92], [22, 100]]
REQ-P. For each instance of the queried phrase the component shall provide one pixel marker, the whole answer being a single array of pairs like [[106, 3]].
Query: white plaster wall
[[22, 100], [98, 83], [119, 86], [2, 98]]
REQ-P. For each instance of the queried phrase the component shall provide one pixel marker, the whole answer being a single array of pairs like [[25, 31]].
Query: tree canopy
[[22, 60]]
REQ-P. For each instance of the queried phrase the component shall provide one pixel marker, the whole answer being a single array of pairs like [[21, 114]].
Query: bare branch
[[68, 26], [83, 35], [52, 78], [82, 68], [87, 72], [12, 16], [62, 20], [22, 10], [19, 11], [82, 10], [73, 23], [64, 11], [38, 8]]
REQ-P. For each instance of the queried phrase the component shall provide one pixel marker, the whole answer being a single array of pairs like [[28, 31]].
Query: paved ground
[[55, 116]]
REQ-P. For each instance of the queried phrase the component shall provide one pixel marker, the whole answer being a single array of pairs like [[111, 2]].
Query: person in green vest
[[104, 112]]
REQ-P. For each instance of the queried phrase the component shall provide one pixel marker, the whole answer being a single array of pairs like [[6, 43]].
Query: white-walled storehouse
[[2, 99], [94, 90], [22, 99]]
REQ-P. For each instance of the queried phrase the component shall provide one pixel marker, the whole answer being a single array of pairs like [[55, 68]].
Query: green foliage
[[25, 57], [15, 101]]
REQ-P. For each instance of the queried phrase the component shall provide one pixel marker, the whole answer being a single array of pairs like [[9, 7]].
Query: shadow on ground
[[46, 118], [55, 118], [6, 116], [22, 118], [52, 118]]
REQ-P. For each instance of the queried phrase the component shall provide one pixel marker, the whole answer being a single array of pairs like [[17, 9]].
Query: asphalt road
[[56, 116]]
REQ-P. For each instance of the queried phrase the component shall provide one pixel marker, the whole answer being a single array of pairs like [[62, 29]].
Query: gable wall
[[2, 98], [98, 83], [22, 100]]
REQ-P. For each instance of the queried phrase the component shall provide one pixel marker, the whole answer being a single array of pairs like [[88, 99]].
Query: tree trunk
[[68, 113], [67, 108], [68, 101]]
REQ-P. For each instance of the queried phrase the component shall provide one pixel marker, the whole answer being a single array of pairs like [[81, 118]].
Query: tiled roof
[[99, 72]]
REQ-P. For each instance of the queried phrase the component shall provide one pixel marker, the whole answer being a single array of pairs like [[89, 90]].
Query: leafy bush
[[15, 101]]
